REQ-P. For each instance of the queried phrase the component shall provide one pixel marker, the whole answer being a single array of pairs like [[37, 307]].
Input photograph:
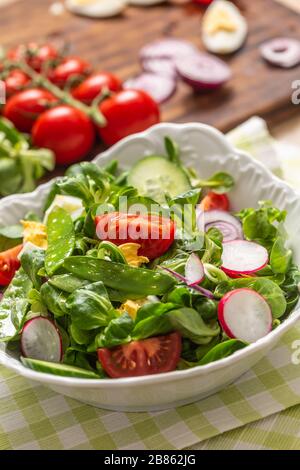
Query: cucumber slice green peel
[[156, 175], [63, 370]]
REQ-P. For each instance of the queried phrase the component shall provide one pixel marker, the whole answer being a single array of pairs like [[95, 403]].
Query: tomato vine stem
[[40, 80]]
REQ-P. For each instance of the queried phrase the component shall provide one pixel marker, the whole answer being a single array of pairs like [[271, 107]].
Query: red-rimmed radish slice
[[229, 226], [159, 87], [283, 52], [160, 66], [245, 315], [194, 270], [241, 257], [41, 340], [167, 48], [202, 71]]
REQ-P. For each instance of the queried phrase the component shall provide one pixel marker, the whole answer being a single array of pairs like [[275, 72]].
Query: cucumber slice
[[155, 176], [58, 369]]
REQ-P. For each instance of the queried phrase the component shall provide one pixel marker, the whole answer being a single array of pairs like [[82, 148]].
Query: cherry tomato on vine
[[9, 264], [15, 81], [203, 2], [25, 107], [92, 86], [70, 68], [36, 55], [127, 112], [148, 356], [65, 130], [154, 233], [215, 201]]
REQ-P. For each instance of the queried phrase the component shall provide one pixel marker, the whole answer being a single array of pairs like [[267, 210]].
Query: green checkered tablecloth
[[34, 417], [280, 431]]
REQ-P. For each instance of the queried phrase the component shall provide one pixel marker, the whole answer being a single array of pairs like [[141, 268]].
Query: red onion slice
[[161, 88], [228, 231], [283, 52], [160, 66], [202, 71], [229, 226], [170, 48]]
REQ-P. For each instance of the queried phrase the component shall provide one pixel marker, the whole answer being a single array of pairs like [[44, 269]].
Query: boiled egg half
[[72, 205], [96, 8], [224, 28], [145, 2]]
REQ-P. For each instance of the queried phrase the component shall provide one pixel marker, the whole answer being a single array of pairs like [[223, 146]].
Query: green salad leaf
[[222, 350], [90, 307], [14, 306], [32, 262], [20, 165]]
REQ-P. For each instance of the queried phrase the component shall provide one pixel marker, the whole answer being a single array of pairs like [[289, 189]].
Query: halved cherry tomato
[[215, 201], [92, 86], [149, 356], [9, 264], [24, 108], [70, 68], [155, 234], [36, 55], [127, 112], [65, 130], [15, 82]]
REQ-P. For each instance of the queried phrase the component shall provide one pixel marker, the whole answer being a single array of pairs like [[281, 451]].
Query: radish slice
[[229, 226], [159, 87], [245, 315], [194, 270], [169, 48], [41, 340], [241, 257], [203, 71], [160, 66], [283, 52]]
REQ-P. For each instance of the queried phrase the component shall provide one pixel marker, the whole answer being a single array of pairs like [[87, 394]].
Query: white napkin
[[282, 158]]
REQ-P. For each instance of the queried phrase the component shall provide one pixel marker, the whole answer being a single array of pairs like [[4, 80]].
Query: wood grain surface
[[114, 44]]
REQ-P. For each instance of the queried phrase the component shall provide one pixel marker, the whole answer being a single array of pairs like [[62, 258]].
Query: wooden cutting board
[[114, 44]]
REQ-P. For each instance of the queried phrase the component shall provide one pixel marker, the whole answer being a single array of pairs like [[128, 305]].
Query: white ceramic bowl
[[207, 150]]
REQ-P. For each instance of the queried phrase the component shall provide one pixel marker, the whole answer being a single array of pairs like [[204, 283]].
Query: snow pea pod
[[120, 276], [61, 239], [69, 283], [113, 252]]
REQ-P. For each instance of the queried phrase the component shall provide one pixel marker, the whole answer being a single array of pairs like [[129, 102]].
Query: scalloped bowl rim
[[262, 343]]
